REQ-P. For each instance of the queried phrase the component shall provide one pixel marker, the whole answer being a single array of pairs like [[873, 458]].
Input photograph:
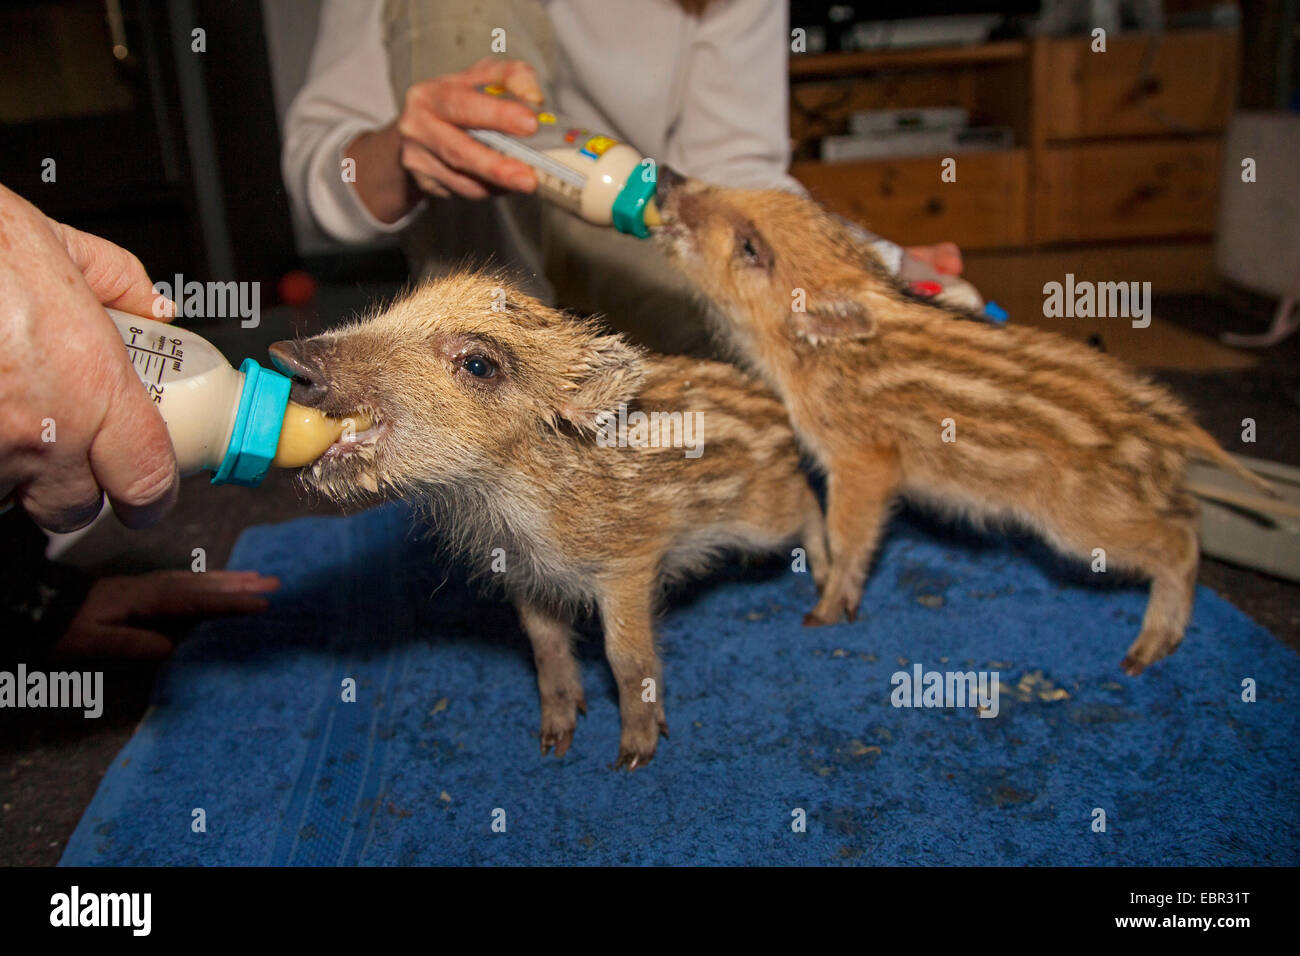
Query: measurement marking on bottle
[[163, 355], [150, 359]]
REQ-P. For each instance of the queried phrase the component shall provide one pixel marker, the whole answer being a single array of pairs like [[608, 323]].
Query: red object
[[297, 287], [926, 288]]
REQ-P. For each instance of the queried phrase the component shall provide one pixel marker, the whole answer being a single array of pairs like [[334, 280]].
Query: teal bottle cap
[[257, 427], [629, 207]]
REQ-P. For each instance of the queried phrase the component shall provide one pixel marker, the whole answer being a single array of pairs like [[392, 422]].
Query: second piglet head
[[459, 377], [777, 265]]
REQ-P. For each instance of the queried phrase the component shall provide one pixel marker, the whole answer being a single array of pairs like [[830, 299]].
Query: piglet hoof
[[1151, 645], [559, 721], [561, 740], [631, 760], [637, 746], [830, 611]]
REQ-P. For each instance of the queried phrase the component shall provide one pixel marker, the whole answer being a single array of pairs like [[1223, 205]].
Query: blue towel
[[771, 723]]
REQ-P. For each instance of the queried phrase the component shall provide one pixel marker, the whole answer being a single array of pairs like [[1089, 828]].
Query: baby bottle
[[604, 181], [234, 422]]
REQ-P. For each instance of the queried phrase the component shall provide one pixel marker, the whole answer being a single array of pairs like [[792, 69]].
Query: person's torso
[[622, 67]]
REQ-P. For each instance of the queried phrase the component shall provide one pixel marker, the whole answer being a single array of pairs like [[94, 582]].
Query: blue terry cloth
[[767, 718]]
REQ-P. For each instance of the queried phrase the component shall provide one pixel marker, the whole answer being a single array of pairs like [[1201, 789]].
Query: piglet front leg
[[625, 608], [558, 680], [859, 493]]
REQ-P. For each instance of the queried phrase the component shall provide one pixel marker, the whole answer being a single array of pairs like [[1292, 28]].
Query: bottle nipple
[[650, 214], [308, 432]]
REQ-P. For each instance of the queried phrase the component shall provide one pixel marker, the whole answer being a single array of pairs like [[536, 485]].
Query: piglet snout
[[301, 360], [668, 180]]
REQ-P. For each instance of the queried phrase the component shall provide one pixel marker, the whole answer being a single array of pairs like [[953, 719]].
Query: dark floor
[[50, 768]]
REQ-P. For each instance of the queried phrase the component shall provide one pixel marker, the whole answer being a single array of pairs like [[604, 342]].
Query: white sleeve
[[735, 125], [347, 93]]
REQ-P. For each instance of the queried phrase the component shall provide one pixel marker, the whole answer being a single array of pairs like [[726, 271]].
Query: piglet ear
[[607, 373], [833, 318]]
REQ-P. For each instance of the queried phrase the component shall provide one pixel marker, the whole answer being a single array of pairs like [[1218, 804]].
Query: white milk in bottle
[[234, 422], [595, 176]]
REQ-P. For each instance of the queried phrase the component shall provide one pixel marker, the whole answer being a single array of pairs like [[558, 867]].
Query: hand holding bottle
[[74, 422], [426, 150]]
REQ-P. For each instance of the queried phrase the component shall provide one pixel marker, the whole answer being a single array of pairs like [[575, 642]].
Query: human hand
[[436, 151], [103, 628], [942, 257], [74, 421]]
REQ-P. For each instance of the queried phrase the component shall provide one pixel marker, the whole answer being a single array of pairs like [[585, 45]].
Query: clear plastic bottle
[[595, 176], [235, 422]]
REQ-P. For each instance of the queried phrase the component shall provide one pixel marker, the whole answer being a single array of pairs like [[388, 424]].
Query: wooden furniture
[[1110, 146], [1115, 166], [988, 205], [1117, 145]]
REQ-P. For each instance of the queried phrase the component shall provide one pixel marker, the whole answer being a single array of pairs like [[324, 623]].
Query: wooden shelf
[[864, 61], [904, 197], [1110, 148]]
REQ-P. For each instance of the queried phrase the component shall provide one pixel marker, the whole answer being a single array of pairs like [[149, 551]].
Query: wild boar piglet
[[600, 472], [893, 395]]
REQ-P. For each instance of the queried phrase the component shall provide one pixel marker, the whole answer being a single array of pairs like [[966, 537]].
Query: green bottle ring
[[629, 207]]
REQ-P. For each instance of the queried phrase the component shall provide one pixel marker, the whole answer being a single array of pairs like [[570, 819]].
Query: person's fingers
[[63, 499], [252, 582], [521, 80], [454, 147], [435, 117], [516, 76], [85, 640], [427, 184], [467, 108], [467, 156], [186, 593], [132, 457], [117, 277], [427, 167], [225, 602], [943, 257], [100, 628], [246, 580], [947, 258]]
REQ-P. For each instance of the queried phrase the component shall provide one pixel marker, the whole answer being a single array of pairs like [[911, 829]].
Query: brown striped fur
[[512, 462], [1049, 434]]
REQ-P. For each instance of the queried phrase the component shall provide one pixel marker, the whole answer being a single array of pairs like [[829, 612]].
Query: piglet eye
[[752, 250], [478, 366]]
